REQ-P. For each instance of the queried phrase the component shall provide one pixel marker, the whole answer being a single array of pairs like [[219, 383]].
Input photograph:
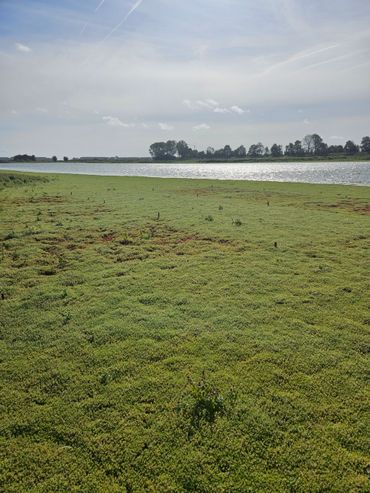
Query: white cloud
[[221, 110], [201, 104], [306, 121], [113, 121], [41, 110], [212, 102], [237, 109], [189, 104], [204, 104], [165, 126], [22, 48], [336, 137], [212, 105], [202, 126]]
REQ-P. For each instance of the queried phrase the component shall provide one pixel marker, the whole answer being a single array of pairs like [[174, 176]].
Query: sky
[[110, 77]]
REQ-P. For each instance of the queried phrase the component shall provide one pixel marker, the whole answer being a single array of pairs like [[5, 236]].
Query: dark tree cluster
[[21, 158], [310, 145]]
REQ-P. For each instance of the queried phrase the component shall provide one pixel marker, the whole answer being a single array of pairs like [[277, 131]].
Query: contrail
[[131, 11], [96, 10], [100, 5], [335, 59], [300, 56], [83, 29]]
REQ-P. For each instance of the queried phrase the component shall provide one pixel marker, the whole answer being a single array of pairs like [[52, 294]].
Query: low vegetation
[[183, 336]]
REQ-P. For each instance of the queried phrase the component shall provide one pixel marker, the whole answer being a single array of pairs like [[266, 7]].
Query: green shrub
[[204, 404]]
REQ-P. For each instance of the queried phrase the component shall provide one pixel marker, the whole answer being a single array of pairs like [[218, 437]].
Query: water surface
[[355, 173]]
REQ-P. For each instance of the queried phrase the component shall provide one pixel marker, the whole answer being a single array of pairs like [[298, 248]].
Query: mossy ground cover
[[183, 336]]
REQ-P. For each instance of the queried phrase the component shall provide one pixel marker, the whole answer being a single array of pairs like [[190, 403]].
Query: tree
[[298, 149], [313, 144], [183, 150], [227, 152], [276, 150], [308, 144], [289, 149], [219, 154], [365, 144], [335, 149], [256, 150], [55, 159], [295, 149], [194, 153], [65, 159], [323, 150], [350, 148], [240, 152], [24, 158], [163, 150], [210, 151]]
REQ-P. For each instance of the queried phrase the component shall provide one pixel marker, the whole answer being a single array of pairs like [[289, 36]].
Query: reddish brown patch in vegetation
[[48, 199], [108, 237], [186, 239], [354, 205], [364, 210], [74, 246]]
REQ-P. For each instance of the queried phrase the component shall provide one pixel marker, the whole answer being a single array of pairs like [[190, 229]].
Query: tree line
[[310, 145]]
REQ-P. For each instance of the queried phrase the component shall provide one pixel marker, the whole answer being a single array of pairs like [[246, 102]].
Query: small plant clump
[[205, 404], [237, 222], [209, 218]]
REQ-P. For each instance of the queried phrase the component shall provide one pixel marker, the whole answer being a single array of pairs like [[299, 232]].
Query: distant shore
[[319, 159]]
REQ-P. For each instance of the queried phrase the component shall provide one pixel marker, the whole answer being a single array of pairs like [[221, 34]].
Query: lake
[[348, 173]]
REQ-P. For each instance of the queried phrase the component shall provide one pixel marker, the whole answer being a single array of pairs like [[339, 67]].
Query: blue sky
[[109, 77]]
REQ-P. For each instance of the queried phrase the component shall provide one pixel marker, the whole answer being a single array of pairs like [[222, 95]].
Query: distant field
[[183, 336]]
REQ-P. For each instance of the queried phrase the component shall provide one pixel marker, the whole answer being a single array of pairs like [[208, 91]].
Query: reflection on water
[[357, 173]]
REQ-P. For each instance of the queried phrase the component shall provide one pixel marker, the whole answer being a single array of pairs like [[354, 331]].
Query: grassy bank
[[183, 336]]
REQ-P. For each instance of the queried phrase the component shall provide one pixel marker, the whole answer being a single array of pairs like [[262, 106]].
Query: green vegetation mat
[[183, 336]]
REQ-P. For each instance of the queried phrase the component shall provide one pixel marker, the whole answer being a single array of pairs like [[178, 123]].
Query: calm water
[[355, 173]]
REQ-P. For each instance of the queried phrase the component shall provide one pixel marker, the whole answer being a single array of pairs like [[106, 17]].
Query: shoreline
[[147, 160]]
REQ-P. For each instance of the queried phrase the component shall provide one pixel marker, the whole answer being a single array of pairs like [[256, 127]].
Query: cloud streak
[[113, 121], [212, 105], [202, 126], [120, 24], [22, 48], [165, 126], [300, 56], [236, 109], [100, 5]]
